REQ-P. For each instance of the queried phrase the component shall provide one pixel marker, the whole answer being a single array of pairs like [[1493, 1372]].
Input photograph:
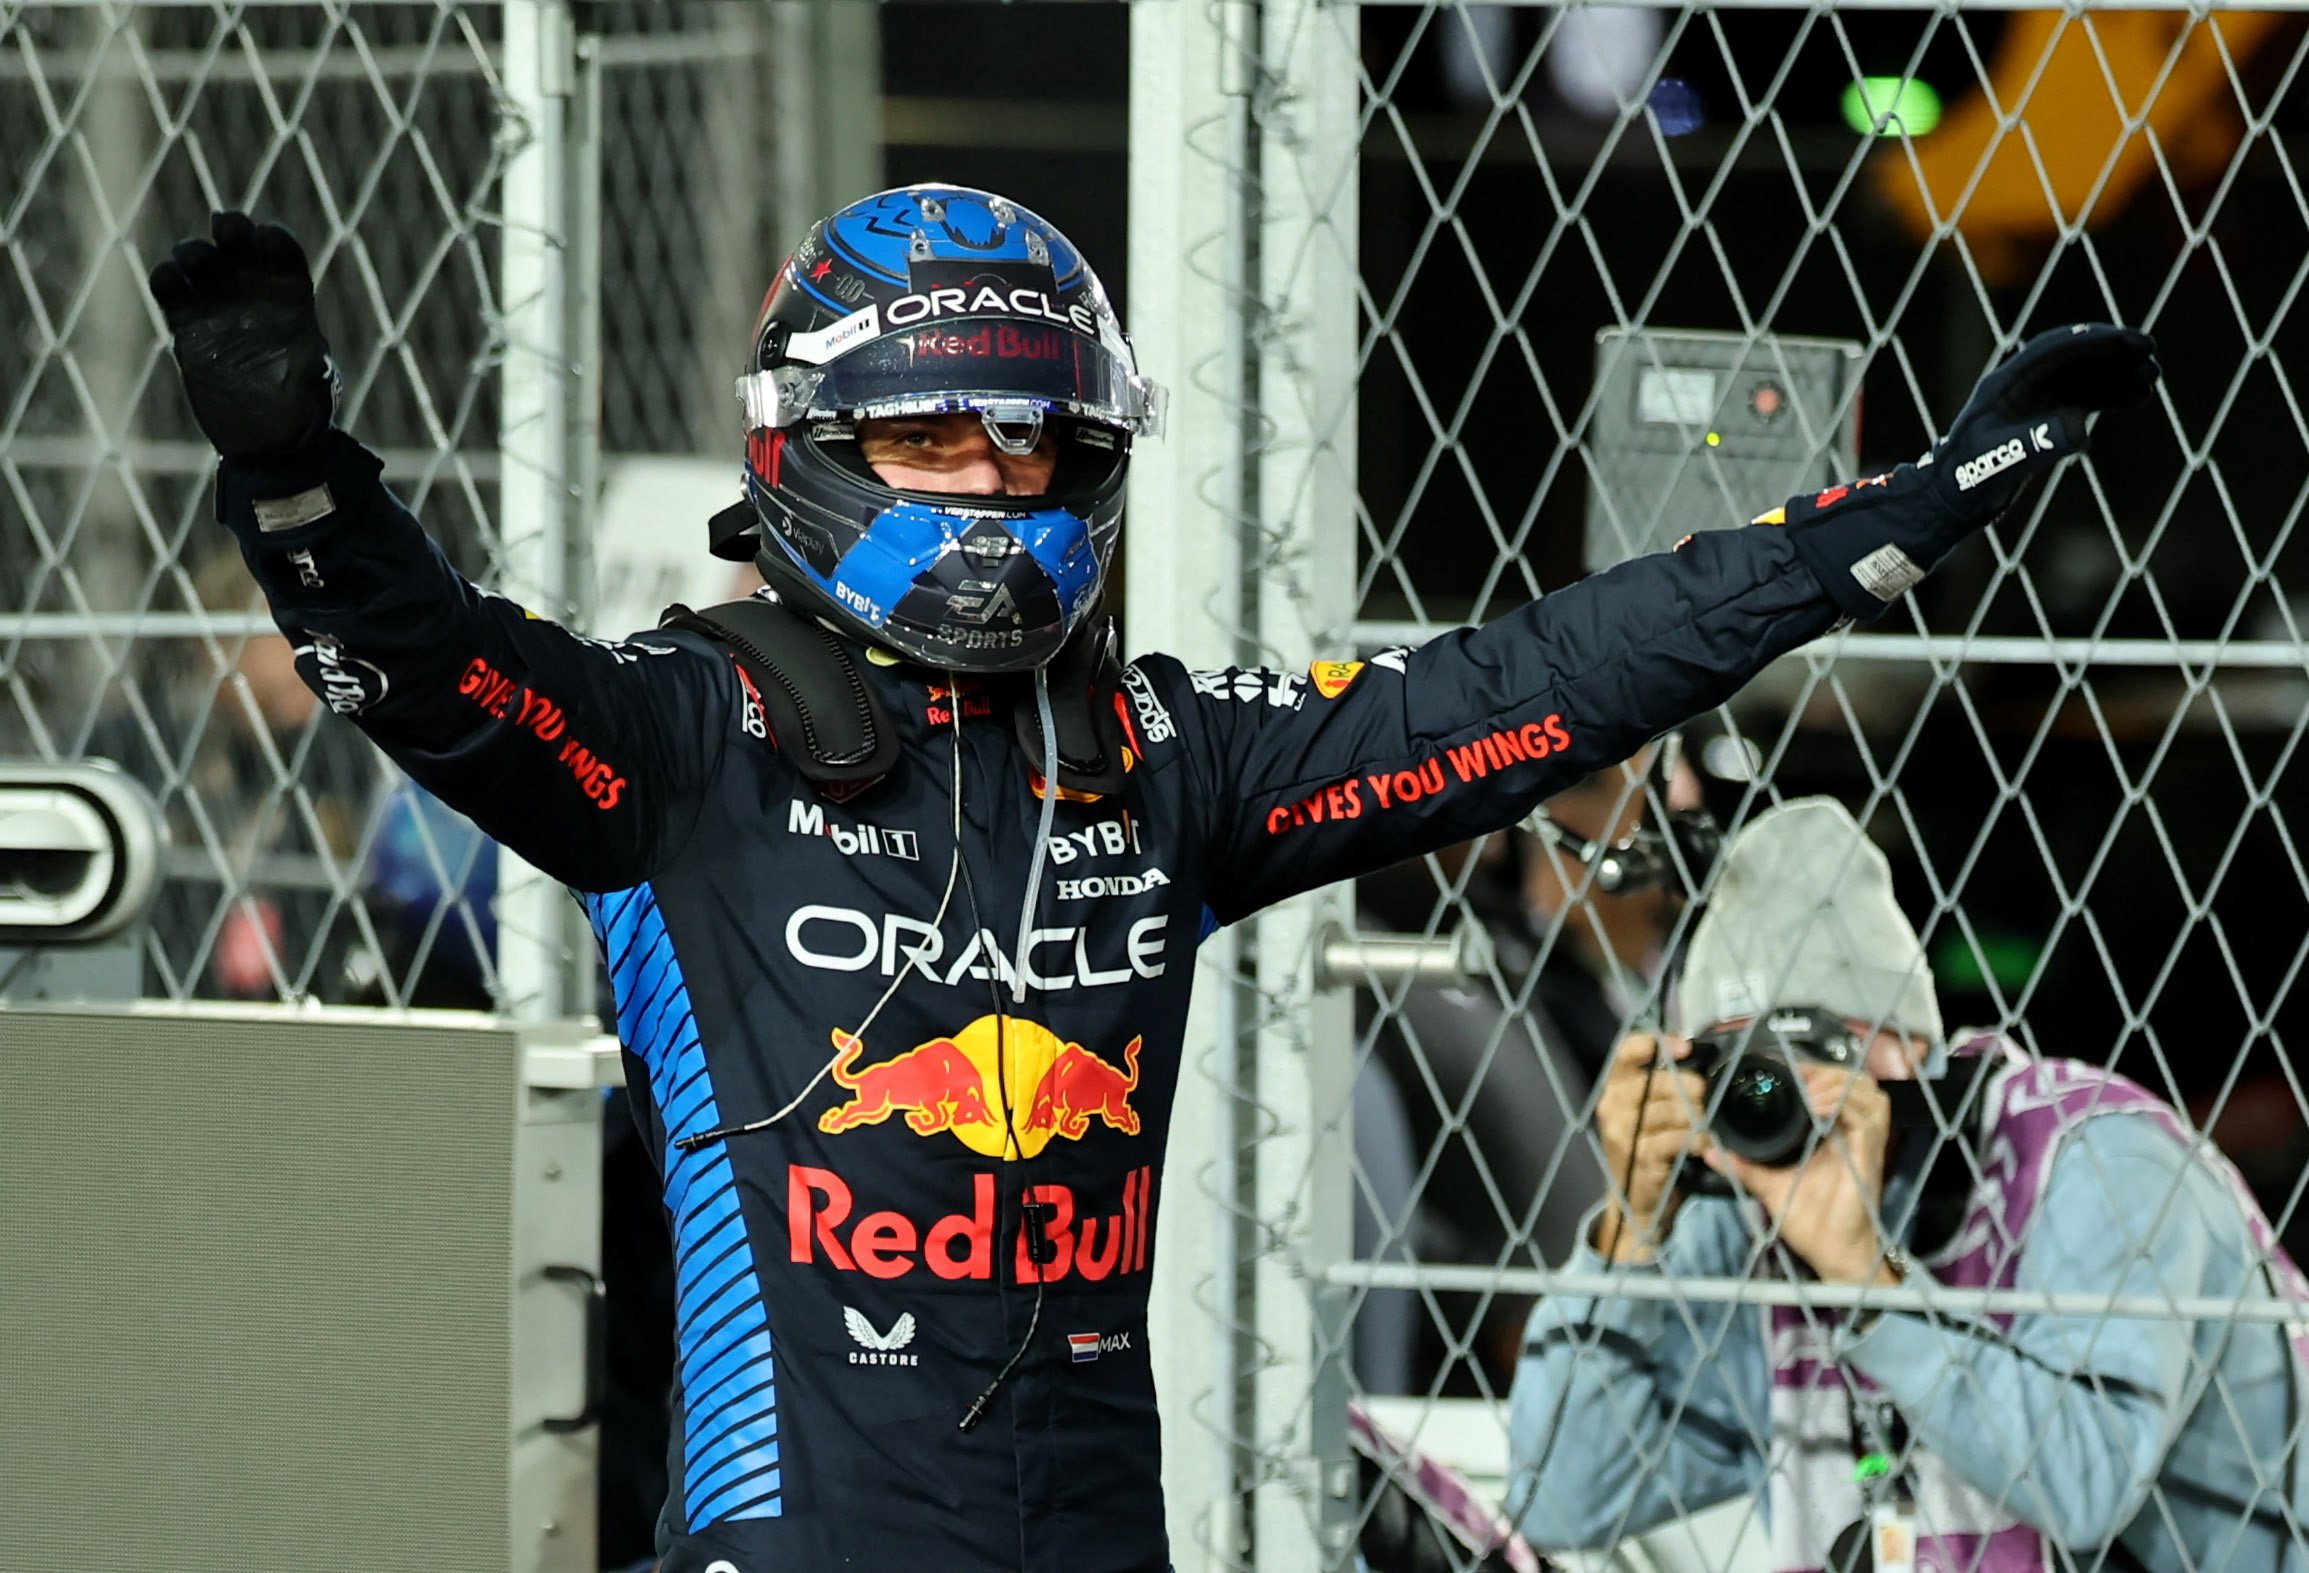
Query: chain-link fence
[[299, 866], [1458, 301], [1512, 290], [135, 635]]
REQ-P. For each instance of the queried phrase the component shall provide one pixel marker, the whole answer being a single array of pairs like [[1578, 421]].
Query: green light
[[2011, 959], [1904, 104], [1715, 439]]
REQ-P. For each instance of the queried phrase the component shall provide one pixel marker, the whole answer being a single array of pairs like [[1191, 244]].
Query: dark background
[[2126, 879]]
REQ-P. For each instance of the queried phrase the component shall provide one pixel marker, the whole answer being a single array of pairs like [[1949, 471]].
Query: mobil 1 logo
[[809, 819]]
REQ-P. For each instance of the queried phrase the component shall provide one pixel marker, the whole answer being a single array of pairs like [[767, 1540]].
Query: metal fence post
[[538, 492], [1305, 102], [1183, 589]]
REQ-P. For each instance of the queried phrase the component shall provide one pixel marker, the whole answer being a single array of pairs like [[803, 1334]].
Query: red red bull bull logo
[[934, 1084], [957, 1084], [823, 1224]]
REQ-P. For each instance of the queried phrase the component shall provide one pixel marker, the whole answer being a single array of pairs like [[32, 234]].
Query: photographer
[[2002, 1442]]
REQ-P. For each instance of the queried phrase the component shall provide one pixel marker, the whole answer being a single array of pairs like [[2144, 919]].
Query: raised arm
[[1314, 777], [586, 758]]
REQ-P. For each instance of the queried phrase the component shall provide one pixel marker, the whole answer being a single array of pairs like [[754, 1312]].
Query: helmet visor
[[966, 364]]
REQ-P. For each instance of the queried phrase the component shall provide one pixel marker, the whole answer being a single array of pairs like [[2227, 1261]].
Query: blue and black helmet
[[933, 300]]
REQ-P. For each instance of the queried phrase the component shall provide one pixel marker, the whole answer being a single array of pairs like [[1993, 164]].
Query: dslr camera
[[1756, 1104]]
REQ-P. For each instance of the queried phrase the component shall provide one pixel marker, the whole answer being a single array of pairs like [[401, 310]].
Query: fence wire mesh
[[1625, 272], [299, 866], [1500, 293], [137, 637]]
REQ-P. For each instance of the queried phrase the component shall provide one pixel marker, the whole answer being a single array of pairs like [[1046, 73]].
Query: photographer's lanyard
[[1887, 1490]]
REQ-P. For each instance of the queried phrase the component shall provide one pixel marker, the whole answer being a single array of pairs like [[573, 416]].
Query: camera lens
[[1761, 1114]]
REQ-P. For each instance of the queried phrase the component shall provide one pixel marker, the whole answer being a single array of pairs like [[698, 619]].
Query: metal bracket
[[1344, 958]]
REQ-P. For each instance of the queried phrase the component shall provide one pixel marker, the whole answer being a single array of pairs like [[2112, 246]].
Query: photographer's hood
[[1802, 913]]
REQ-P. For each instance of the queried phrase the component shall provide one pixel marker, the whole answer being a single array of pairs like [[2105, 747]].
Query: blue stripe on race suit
[[730, 1395]]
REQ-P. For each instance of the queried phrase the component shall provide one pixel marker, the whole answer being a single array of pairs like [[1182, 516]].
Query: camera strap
[[1882, 1539], [1950, 1102], [1879, 1449]]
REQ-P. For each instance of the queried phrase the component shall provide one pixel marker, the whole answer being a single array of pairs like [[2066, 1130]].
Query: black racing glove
[[1872, 539], [248, 341]]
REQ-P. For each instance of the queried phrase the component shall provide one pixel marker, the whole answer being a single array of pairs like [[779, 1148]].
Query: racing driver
[[898, 872]]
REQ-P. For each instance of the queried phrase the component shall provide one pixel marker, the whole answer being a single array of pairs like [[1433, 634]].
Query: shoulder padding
[[829, 720], [821, 710]]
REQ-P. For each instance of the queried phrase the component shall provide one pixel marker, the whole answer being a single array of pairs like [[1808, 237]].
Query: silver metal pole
[[1182, 577], [825, 74], [133, 625], [108, 335], [580, 960], [535, 917], [1302, 539], [1986, 649], [1446, 1279], [1345, 959]]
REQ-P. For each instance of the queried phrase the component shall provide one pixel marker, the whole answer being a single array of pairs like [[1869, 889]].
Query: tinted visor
[[966, 363]]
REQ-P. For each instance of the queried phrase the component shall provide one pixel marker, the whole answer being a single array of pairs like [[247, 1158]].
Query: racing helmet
[[937, 299]]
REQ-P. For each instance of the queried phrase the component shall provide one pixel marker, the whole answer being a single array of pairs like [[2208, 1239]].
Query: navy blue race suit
[[851, 1278]]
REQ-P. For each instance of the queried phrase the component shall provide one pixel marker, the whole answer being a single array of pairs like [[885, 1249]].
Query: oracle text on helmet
[[843, 939], [982, 300]]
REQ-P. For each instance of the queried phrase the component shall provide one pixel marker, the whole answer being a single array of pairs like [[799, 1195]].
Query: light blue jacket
[[2086, 1426]]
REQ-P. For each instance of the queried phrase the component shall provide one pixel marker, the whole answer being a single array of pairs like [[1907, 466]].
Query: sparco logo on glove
[[1973, 471]]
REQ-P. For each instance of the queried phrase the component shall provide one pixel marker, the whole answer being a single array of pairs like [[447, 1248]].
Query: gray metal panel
[[106, 971], [256, 1291], [1704, 431], [557, 1224]]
